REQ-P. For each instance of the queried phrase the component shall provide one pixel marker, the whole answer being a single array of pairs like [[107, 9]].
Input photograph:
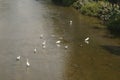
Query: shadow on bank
[[64, 2], [112, 49]]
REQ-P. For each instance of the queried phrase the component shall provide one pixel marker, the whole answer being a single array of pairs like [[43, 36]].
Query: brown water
[[23, 21]]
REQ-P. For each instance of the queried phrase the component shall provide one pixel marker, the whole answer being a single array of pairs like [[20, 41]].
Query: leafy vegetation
[[91, 9], [100, 9]]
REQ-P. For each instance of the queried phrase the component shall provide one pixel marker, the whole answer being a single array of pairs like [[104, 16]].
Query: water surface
[[23, 21]]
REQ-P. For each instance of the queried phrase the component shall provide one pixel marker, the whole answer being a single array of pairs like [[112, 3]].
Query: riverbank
[[109, 13]]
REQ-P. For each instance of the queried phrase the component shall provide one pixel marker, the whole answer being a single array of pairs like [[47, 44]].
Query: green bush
[[101, 9], [91, 8]]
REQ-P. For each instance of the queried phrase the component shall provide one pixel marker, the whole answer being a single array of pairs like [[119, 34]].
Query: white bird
[[58, 45], [57, 42], [86, 39], [66, 47], [87, 42], [43, 46], [70, 22], [18, 58], [35, 50], [27, 63], [43, 43], [41, 36]]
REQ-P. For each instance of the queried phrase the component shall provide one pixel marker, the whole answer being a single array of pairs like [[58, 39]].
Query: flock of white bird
[[27, 62], [44, 45]]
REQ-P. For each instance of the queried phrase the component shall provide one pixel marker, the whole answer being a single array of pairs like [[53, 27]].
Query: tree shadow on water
[[112, 49]]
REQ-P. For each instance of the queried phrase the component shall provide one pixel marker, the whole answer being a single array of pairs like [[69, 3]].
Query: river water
[[23, 21]]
